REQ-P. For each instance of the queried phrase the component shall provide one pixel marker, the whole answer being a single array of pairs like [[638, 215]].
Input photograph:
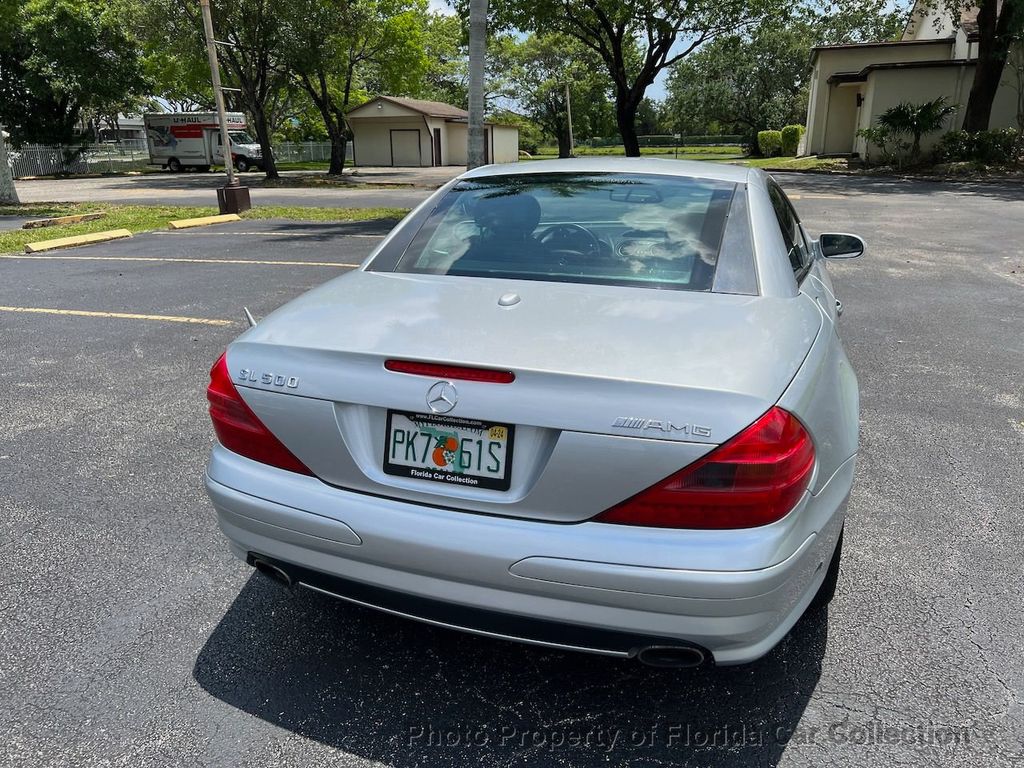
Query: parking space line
[[119, 315], [186, 260]]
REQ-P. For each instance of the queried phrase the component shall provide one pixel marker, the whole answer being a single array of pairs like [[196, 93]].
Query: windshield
[[240, 137], [606, 228]]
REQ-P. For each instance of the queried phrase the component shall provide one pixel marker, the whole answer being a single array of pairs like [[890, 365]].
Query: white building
[[393, 131], [851, 85]]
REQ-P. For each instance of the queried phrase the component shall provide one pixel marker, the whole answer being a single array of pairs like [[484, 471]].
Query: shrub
[[999, 147], [791, 139], [769, 142], [915, 120], [881, 138]]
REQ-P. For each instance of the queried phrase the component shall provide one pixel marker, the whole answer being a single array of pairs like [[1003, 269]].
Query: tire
[[827, 590], [242, 164], [174, 165]]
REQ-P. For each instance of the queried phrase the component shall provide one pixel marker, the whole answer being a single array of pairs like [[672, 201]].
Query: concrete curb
[[58, 220], [70, 242], [204, 221]]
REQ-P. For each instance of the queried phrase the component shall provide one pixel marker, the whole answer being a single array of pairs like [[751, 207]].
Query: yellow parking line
[[118, 315], [187, 261]]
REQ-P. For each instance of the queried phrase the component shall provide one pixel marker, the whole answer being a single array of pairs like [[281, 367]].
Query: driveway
[[130, 636]]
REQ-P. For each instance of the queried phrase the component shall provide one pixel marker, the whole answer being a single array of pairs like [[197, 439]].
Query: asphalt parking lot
[[130, 635]]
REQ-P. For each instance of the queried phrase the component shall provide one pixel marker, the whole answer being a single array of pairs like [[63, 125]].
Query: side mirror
[[838, 246]]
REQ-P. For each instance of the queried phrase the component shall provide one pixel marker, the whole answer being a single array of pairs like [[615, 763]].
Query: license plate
[[474, 454]]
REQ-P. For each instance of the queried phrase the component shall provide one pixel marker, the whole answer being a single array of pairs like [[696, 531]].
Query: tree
[[336, 50], [745, 83], [543, 66], [757, 79], [8, 194], [1000, 25], [915, 120], [477, 51], [250, 59], [615, 29], [60, 60]]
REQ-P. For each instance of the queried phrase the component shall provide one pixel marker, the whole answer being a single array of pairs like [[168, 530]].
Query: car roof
[[654, 165]]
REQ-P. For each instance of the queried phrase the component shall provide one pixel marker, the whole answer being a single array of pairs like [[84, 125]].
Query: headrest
[[514, 215]]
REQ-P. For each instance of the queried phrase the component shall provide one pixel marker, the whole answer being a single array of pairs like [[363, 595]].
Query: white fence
[[131, 155]]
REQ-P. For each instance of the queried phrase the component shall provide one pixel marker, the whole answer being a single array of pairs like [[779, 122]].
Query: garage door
[[405, 147]]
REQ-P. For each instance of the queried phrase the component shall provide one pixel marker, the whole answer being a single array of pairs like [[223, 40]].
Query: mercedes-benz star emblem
[[442, 397]]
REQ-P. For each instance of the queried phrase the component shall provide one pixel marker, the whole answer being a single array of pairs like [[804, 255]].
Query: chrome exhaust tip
[[270, 570], [672, 656]]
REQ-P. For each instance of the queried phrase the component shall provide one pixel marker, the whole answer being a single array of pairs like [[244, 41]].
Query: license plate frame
[[462, 428]]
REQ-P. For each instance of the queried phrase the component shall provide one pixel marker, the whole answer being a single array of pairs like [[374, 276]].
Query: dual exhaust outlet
[[663, 656]]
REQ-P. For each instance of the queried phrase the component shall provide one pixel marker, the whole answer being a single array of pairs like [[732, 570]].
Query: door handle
[[839, 307]]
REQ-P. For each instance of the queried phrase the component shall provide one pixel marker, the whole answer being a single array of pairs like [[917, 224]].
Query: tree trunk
[[994, 25], [625, 116], [8, 194], [477, 55], [563, 142], [339, 145], [259, 119]]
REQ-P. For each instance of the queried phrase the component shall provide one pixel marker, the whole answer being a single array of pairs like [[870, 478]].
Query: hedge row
[[784, 142]]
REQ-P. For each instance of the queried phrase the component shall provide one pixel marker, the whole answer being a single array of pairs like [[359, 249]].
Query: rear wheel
[[827, 590], [174, 165]]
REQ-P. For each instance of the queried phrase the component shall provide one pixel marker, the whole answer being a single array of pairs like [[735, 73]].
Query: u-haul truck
[[180, 140]]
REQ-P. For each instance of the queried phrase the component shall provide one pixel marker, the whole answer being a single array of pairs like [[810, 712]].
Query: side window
[[799, 252]]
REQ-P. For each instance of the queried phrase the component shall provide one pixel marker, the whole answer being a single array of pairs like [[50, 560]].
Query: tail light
[[239, 430], [754, 479]]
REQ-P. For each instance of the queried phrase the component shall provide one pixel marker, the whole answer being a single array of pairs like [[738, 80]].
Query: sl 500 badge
[[248, 375]]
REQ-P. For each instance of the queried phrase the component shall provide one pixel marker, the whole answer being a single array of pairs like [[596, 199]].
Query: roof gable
[[417, 106]]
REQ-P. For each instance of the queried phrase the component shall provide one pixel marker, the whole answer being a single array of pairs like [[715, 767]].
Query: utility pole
[[477, 57], [8, 194], [232, 198], [568, 117]]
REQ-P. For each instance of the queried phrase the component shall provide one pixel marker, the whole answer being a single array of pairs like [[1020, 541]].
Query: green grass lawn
[[695, 152], [306, 165], [142, 218]]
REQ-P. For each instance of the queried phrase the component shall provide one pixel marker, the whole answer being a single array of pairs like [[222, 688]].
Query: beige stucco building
[[393, 131], [851, 85]]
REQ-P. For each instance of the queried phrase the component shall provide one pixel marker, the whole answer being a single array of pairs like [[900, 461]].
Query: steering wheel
[[568, 237]]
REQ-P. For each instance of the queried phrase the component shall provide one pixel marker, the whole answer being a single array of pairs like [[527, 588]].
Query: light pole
[[232, 198], [568, 117]]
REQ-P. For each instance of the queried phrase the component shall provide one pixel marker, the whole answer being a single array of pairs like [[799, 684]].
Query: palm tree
[[916, 120], [477, 52], [8, 194]]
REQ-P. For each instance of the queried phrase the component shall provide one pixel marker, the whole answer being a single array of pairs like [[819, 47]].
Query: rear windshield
[[606, 228]]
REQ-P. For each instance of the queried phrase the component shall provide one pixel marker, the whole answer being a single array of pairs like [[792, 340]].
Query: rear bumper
[[587, 586]]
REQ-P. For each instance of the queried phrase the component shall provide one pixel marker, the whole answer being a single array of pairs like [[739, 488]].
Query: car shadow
[[843, 184], [404, 693]]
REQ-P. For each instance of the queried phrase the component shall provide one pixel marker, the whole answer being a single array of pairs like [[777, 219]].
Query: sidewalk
[[431, 178]]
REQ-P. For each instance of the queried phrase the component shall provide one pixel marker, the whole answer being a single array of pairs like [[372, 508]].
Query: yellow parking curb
[[203, 221], [57, 220], [69, 242]]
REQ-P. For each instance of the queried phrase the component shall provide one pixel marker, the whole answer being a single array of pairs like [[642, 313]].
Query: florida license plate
[[475, 454]]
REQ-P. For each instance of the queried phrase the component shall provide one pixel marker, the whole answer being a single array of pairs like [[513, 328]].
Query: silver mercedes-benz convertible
[[598, 405]]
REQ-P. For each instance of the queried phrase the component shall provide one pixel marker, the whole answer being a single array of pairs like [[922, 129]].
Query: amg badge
[[632, 422]]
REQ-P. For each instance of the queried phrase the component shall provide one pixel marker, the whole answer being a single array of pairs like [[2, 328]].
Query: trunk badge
[[442, 397]]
